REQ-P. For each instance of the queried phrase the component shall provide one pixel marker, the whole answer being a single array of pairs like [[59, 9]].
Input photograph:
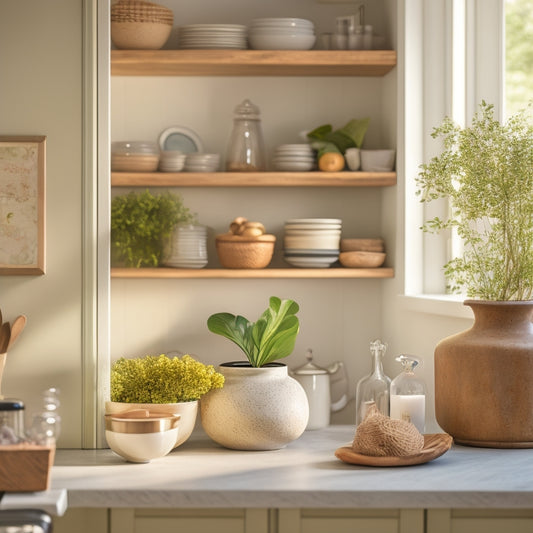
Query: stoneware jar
[[484, 377], [257, 409]]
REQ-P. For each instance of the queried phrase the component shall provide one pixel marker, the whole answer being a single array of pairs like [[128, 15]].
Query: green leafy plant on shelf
[[272, 337], [162, 379], [486, 173], [141, 222]]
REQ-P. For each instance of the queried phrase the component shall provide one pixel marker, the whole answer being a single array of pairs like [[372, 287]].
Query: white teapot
[[326, 389]]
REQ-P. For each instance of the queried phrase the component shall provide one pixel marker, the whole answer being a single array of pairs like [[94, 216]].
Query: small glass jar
[[246, 149], [408, 394], [373, 388], [11, 421]]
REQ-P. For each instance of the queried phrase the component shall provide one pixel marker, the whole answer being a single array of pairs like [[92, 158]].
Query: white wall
[[41, 94]]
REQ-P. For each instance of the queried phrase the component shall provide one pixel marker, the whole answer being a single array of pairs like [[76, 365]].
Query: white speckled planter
[[257, 409]]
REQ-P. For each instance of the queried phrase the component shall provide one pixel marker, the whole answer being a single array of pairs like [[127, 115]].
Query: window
[[518, 54]]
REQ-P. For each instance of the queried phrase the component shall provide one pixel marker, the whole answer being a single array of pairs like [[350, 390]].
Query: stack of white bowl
[[312, 242], [208, 36], [281, 34], [171, 161], [200, 162], [294, 157], [188, 247]]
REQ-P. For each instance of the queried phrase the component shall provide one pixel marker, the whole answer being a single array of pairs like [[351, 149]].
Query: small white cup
[[353, 158], [377, 160]]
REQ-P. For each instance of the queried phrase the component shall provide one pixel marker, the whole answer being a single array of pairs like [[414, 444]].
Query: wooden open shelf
[[252, 62], [253, 179], [268, 273]]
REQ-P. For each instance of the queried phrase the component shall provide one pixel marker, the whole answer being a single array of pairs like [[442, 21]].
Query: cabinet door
[[189, 520], [350, 521], [479, 521]]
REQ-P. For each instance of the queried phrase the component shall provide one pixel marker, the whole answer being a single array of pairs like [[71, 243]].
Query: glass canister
[[11, 421], [246, 149], [375, 386], [408, 394]]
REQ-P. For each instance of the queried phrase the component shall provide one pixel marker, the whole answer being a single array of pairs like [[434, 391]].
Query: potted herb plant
[[260, 407], [484, 376], [163, 384], [141, 223]]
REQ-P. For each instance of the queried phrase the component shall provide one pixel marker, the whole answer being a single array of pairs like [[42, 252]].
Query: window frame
[[454, 57]]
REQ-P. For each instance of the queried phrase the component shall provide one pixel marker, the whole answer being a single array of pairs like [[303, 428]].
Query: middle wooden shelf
[[253, 179]]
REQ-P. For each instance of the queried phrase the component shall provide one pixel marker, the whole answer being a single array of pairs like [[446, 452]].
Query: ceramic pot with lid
[[318, 383]]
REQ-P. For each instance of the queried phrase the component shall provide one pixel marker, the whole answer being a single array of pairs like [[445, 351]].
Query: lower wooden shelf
[[227, 273]]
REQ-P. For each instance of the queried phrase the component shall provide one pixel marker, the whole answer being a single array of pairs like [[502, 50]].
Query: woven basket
[[137, 11]]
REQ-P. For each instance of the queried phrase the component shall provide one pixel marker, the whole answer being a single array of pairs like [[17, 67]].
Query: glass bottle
[[375, 386], [408, 394], [246, 149]]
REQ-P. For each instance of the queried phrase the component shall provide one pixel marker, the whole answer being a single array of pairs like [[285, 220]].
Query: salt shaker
[[408, 394]]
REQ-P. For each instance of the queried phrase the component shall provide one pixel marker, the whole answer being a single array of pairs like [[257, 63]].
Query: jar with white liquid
[[408, 394]]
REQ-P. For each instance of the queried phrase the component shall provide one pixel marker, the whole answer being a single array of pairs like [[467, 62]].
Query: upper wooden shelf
[[253, 179], [252, 62], [259, 273]]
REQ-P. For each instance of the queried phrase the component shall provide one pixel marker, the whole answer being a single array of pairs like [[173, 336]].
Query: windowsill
[[437, 304]]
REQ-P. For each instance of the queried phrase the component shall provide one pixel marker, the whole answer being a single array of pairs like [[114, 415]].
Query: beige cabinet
[[479, 521], [295, 521], [350, 521]]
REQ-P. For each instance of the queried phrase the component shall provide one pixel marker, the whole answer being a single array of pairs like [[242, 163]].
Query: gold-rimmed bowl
[[140, 436]]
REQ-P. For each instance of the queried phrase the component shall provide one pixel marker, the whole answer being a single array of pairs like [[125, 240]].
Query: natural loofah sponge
[[380, 436]]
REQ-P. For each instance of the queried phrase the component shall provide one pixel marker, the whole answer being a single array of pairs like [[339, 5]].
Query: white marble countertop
[[304, 474], [52, 501]]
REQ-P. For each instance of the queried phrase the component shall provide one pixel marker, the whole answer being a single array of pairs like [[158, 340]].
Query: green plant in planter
[[272, 337], [162, 379], [140, 224], [486, 173]]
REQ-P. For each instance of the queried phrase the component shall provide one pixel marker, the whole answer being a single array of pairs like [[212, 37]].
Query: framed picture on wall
[[22, 204]]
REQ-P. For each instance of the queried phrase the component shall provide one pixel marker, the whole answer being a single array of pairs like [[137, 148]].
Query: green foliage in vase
[[140, 223], [486, 173], [272, 337], [162, 379]]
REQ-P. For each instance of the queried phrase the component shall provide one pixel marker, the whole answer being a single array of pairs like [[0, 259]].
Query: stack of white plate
[[281, 34], [294, 157], [200, 162], [312, 242], [197, 36], [171, 161], [188, 247]]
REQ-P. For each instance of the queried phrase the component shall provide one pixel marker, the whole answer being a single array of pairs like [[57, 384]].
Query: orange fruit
[[331, 162]]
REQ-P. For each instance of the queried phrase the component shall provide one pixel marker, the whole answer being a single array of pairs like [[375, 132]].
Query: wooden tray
[[25, 467], [435, 445]]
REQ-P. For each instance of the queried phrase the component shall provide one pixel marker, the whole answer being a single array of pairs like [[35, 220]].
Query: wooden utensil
[[5, 334], [16, 329]]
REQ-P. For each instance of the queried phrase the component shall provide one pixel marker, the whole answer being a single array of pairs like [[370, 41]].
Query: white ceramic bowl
[[377, 160], [281, 42], [187, 410], [139, 440], [288, 22]]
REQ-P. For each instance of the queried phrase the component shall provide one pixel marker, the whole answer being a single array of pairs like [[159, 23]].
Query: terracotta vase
[[484, 377], [257, 409]]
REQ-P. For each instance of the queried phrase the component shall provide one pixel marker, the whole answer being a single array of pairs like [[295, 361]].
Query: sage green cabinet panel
[[190, 520], [81, 520], [350, 521], [479, 521]]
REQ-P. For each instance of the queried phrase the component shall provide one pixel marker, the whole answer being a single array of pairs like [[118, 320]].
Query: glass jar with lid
[[408, 394], [11, 421], [246, 149]]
